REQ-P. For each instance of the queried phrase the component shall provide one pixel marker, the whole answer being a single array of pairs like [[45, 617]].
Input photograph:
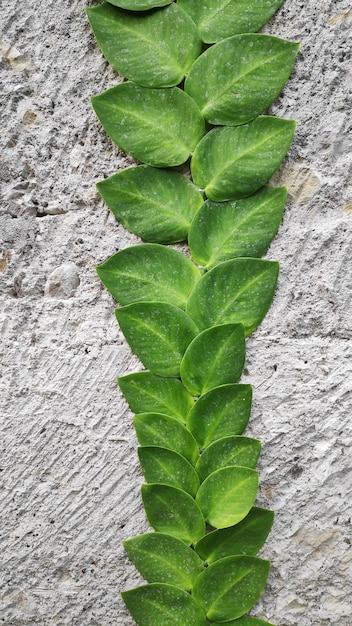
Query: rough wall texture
[[69, 474]]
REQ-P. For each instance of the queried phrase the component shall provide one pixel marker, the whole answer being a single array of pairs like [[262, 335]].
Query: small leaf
[[227, 495], [242, 228], [160, 465], [230, 587], [159, 604], [174, 512], [155, 429], [235, 291], [221, 412], [158, 333], [246, 620], [238, 78], [161, 558], [160, 127], [157, 205], [247, 537], [146, 392], [149, 272], [154, 49], [228, 451], [139, 5], [215, 357], [232, 163]]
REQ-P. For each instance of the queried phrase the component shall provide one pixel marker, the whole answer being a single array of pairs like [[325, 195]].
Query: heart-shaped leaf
[[158, 334], [238, 78], [160, 465], [230, 587], [174, 512], [247, 537], [149, 272], [155, 429], [232, 163], [246, 620], [227, 495], [146, 392], [219, 19], [160, 127], [154, 49], [215, 357], [161, 558], [157, 205], [228, 451], [221, 412], [159, 604], [242, 228]]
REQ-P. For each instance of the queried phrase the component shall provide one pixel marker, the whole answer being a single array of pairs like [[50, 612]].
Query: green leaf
[[247, 537], [174, 512], [230, 587], [243, 228], [158, 334], [154, 49], [155, 429], [161, 558], [139, 5], [159, 604], [246, 620], [221, 412], [157, 205], [160, 127], [146, 392], [228, 451], [227, 495], [235, 291], [238, 78], [232, 163], [219, 19], [160, 465], [215, 357], [149, 272]]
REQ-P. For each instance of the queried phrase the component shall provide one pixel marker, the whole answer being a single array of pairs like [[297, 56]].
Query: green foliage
[[155, 429], [160, 465], [139, 5], [226, 452]]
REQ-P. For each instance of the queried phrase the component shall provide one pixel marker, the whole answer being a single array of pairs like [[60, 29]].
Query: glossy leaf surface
[[155, 429], [160, 465], [228, 451], [246, 620]]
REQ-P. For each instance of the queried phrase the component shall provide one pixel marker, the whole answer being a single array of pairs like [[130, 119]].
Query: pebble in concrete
[[62, 282]]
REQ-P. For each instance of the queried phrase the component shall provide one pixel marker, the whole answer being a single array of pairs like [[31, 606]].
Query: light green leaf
[[160, 465], [246, 620], [221, 412], [154, 49], [215, 357], [232, 163], [139, 5], [235, 291], [155, 429], [146, 392], [227, 495], [149, 272], [243, 228], [219, 19], [157, 205], [161, 558], [160, 127], [228, 451], [174, 512], [230, 587], [238, 78]]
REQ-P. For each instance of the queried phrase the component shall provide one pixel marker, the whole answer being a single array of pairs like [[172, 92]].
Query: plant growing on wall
[[186, 316]]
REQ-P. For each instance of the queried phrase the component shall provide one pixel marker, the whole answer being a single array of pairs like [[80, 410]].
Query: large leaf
[[149, 272], [154, 49], [159, 604], [161, 558], [246, 620], [219, 19], [146, 392], [237, 79], [227, 495], [160, 465], [235, 291], [158, 334], [242, 228], [247, 537], [232, 163], [157, 205], [228, 451], [230, 587], [174, 512], [221, 412], [160, 127], [155, 429]]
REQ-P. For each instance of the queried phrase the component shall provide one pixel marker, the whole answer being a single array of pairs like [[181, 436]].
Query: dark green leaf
[[246, 620], [160, 465], [154, 429], [228, 451]]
